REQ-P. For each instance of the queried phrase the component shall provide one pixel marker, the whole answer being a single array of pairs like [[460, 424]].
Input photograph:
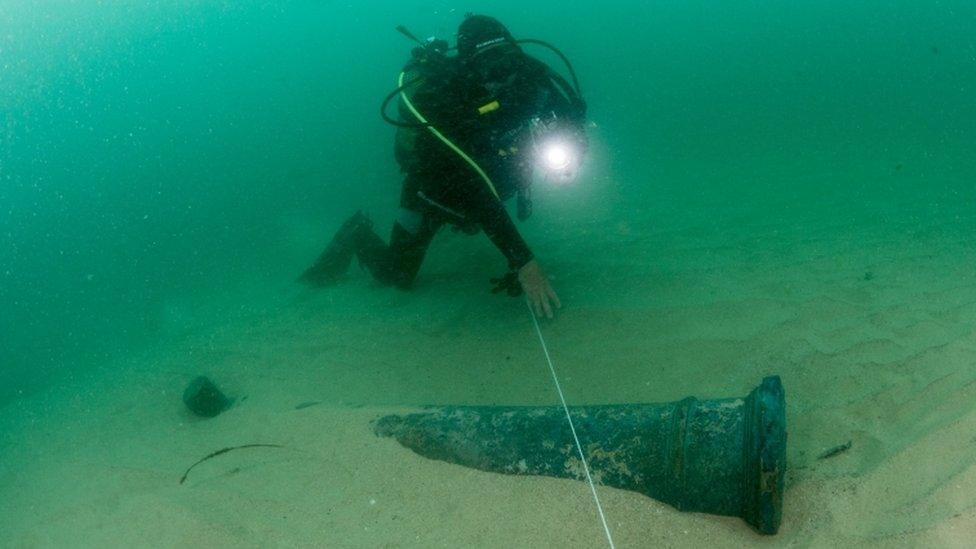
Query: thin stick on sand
[[224, 451]]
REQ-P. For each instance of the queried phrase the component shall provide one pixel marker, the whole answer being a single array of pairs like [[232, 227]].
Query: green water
[[156, 156], [168, 168]]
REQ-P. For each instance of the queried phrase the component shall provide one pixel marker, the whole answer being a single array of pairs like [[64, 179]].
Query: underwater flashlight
[[559, 160], [556, 157], [558, 150]]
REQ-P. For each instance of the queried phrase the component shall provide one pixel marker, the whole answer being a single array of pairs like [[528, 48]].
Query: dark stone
[[836, 450], [204, 399]]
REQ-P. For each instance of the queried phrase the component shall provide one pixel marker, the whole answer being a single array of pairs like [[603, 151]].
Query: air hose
[[423, 122]]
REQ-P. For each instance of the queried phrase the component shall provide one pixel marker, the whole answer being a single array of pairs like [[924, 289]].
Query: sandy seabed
[[869, 320]]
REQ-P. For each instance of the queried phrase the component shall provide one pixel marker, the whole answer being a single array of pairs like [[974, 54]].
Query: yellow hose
[[445, 140]]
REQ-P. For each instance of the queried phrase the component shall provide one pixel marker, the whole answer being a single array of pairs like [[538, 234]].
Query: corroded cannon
[[722, 456]]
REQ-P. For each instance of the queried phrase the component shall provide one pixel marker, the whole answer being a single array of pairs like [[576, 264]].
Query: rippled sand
[[869, 316]]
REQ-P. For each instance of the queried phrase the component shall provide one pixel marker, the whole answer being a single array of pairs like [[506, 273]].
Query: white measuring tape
[[569, 418]]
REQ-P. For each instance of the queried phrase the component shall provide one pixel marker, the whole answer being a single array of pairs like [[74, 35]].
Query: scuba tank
[[428, 61]]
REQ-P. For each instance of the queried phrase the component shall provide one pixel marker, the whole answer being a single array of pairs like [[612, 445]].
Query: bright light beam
[[556, 157]]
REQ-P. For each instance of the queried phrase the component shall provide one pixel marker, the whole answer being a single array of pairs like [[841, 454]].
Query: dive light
[[558, 151], [556, 157]]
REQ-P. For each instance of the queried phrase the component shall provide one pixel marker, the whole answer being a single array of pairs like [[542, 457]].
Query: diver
[[472, 128]]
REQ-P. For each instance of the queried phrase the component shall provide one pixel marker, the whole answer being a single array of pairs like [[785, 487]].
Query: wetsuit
[[441, 188]]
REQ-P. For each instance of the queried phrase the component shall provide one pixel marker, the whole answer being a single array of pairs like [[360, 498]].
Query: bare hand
[[537, 289]]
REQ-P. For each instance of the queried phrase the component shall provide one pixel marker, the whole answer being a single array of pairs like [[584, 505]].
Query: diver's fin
[[335, 259]]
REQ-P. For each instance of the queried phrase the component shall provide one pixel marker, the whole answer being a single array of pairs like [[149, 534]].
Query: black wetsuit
[[441, 188]]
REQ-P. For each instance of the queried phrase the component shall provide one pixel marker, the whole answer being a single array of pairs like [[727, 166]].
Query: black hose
[[554, 49], [579, 105], [390, 97]]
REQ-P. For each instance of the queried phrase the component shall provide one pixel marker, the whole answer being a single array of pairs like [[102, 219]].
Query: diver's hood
[[479, 33]]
